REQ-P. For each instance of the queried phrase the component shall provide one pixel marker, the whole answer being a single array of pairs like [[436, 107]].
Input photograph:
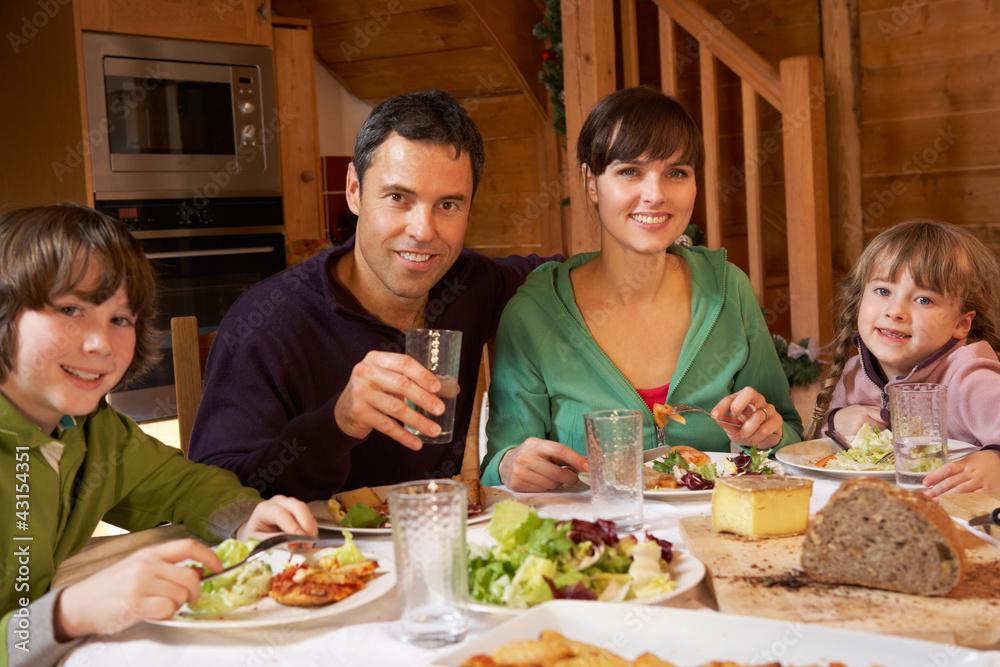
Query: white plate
[[266, 612], [684, 493], [490, 497], [686, 570], [687, 638], [803, 455]]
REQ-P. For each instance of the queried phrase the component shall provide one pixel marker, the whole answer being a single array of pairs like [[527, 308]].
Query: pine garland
[[800, 371], [550, 29]]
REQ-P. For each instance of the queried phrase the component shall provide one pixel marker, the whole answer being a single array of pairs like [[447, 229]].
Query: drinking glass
[[440, 351], [919, 413], [614, 455], [428, 537]]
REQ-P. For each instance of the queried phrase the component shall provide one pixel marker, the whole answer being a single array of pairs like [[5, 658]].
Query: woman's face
[[644, 204]]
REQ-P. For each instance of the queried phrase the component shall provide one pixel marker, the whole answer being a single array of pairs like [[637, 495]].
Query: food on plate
[[663, 412], [234, 589], [867, 447], [552, 649], [872, 533], [474, 490], [694, 469], [759, 506], [538, 559], [653, 480], [364, 508]]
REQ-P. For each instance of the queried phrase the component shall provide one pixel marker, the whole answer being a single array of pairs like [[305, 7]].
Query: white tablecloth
[[370, 635]]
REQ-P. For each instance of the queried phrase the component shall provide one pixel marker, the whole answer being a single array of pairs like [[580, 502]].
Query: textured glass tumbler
[[614, 455], [440, 352], [428, 534], [919, 413]]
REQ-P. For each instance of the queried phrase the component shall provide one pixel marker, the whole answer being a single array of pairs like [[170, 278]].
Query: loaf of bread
[[875, 534]]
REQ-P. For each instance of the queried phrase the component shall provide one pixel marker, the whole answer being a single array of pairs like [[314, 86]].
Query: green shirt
[[549, 371]]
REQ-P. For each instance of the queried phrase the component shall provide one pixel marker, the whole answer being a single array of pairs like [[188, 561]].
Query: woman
[[638, 323]]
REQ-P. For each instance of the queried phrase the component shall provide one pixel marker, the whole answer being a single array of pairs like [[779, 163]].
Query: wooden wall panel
[[936, 143], [324, 12]]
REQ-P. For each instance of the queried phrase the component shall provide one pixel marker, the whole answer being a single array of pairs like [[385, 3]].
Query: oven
[[206, 253]]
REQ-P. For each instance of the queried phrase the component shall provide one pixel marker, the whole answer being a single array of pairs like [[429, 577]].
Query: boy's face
[[903, 324], [70, 354]]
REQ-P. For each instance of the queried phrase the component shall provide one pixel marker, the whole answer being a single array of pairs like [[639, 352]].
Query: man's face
[[412, 214]]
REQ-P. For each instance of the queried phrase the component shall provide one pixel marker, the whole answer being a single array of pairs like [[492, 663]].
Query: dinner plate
[[266, 612], [490, 497], [686, 570], [803, 456], [687, 637]]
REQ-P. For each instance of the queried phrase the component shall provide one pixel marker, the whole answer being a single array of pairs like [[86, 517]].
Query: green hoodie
[[549, 371]]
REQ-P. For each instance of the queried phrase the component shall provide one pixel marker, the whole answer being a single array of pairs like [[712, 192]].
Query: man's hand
[[851, 418], [979, 471], [538, 465], [146, 585], [279, 514], [374, 398]]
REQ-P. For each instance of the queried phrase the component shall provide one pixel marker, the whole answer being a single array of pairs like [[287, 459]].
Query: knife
[[839, 439], [986, 519]]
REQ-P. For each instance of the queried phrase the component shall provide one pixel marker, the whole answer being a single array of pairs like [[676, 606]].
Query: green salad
[[233, 589], [538, 559], [868, 446]]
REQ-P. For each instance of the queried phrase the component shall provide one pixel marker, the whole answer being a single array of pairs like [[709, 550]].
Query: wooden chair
[[473, 456], [190, 355]]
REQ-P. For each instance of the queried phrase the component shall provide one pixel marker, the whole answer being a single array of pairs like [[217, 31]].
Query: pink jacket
[[971, 372]]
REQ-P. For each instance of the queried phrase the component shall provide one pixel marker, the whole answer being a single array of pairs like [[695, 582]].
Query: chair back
[[474, 449], [190, 354]]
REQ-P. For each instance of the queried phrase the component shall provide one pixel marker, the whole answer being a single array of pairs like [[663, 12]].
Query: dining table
[[370, 634]]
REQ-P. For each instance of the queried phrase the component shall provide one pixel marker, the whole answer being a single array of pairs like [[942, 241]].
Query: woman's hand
[[279, 514], [145, 585], [849, 419], [760, 422], [539, 465], [979, 471]]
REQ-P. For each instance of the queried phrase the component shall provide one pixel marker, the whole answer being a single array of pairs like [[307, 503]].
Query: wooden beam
[[588, 75], [668, 53], [630, 44], [710, 132], [807, 195], [751, 170], [734, 53]]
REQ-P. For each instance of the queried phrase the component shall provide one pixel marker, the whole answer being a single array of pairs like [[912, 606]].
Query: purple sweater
[[285, 351], [971, 372]]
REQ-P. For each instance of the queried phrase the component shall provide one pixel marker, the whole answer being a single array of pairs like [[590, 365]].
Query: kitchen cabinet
[[238, 21], [298, 131]]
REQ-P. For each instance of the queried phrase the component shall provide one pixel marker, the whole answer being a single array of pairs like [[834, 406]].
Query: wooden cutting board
[[965, 506], [763, 578]]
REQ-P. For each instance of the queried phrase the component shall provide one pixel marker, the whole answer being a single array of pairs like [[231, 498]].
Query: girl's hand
[[976, 472], [851, 418], [145, 585], [760, 422], [539, 465], [279, 514]]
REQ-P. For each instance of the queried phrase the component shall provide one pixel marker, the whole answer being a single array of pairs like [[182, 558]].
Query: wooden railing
[[795, 90]]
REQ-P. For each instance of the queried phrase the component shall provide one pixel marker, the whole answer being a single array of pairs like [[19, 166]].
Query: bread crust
[[832, 524]]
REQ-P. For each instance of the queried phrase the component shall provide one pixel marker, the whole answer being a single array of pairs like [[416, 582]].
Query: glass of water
[[614, 456], [919, 413], [440, 351]]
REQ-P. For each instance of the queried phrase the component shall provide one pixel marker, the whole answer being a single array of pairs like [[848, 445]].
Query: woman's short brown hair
[[42, 250], [633, 122]]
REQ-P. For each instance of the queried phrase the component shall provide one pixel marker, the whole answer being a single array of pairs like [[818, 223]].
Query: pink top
[[658, 395]]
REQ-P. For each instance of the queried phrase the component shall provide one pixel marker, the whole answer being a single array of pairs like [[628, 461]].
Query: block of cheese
[[761, 505]]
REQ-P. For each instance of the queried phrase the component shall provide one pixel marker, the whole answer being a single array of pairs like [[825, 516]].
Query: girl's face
[[903, 324], [70, 354], [644, 204]]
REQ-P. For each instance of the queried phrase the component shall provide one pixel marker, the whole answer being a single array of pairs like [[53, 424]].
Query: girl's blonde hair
[[940, 257], [41, 249]]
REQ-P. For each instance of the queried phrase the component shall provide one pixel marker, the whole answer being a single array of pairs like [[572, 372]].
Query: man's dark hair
[[432, 116]]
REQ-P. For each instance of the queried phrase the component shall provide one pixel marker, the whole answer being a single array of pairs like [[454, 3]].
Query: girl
[[638, 323], [918, 308], [76, 311]]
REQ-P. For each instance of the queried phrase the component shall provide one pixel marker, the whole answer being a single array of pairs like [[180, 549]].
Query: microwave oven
[[172, 118]]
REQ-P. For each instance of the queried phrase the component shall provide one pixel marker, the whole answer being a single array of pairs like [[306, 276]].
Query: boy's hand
[[849, 420], [279, 514], [976, 472], [145, 585]]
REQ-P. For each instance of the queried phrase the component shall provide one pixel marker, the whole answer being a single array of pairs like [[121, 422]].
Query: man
[[306, 381]]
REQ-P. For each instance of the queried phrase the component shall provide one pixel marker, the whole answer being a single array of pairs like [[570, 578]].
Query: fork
[[891, 456], [685, 407], [263, 548]]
